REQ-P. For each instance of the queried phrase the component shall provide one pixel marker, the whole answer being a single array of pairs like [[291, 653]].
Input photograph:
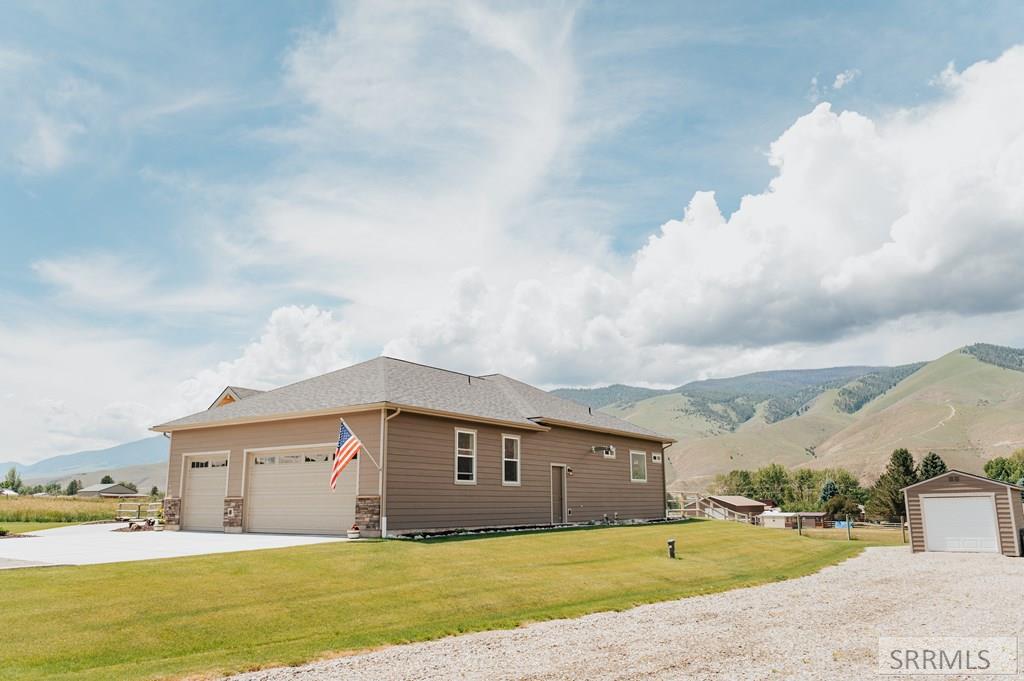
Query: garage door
[[290, 492], [960, 524], [202, 502]]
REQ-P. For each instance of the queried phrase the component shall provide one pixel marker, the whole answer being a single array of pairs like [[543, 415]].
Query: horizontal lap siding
[[285, 433], [966, 485], [422, 494]]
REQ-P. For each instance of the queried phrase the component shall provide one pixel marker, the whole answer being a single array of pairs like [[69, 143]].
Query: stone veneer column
[[368, 515], [232, 514], [172, 513]]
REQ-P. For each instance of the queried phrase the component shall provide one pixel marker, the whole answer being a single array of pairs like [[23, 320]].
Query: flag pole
[[362, 445]]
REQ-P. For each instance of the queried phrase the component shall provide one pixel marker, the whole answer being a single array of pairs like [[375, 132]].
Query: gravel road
[[825, 626]]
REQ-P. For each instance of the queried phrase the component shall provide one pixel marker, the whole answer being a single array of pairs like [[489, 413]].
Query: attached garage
[[288, 492], [205, 478], [960, 512]]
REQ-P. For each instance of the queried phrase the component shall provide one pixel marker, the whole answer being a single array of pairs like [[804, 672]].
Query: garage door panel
[[960, 524], [202, 506], [290, 493]]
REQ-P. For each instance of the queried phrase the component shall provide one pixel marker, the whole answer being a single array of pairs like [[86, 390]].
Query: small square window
[[655, 458]]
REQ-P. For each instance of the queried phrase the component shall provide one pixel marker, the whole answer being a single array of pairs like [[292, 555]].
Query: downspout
[[382, 487], [664, 482]]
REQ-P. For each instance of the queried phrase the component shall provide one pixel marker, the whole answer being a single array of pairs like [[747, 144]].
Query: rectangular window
[[609, 453], [290, 458], [264, 460], [465, 457], [510, 460], [638, 466], [200, 464], [655, 457]]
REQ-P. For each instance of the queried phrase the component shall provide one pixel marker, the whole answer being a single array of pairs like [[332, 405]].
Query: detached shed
[[961, 512], [738, 504], [791, 520]]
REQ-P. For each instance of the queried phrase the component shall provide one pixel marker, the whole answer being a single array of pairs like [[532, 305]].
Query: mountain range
[[141, 462], [968, 406]]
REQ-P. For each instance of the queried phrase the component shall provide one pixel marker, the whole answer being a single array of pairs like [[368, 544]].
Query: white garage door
[[202, 502], [960, 524], [290, 492]]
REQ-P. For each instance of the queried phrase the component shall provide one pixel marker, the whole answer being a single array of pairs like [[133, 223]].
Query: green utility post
[[903, 529]]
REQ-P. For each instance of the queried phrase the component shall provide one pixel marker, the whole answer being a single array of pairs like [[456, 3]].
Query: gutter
[[384, 470]]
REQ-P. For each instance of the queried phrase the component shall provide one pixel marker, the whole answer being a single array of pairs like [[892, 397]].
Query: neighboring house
[[8, 492], [961, 512], [107, 490], [738, 504], [442, 450], [792, 520]]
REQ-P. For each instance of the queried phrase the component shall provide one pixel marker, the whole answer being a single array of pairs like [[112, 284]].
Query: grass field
[[232, 612], [867, 536], [55, 509]]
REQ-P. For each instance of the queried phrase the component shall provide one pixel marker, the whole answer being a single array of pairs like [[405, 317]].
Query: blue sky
[[194, 194]]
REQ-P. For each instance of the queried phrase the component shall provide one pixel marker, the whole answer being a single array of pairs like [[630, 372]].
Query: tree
[[12, 480], [735, 482], [1007, 469], [130, 485], [73, 487], [931, 466], [52, 488], [155, 492], [839, 506], [107, 480], [828, 491], [804, 489], [772, 482], [886, 498]]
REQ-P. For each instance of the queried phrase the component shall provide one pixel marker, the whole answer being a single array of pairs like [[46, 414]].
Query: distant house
[[738, 504], [8, 492], [108, 490], [790, 520]]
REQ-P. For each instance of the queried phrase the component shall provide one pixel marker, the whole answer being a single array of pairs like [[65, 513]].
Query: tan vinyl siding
[[422, 494], [1008, 513], [294, 432]]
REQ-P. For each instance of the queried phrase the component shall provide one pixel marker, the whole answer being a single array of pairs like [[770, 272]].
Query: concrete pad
[[92, 544]]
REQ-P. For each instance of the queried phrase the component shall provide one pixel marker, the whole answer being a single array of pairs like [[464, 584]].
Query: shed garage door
[[289, 492], [960, 523], [202, 503]]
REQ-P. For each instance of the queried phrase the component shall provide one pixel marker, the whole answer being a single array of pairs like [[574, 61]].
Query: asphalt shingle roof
[[398, 382]]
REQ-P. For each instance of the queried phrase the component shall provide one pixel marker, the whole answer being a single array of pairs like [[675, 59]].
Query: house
[[961, 512], [107, 490], [738, 504], [8, 492], [792, 520], [441, 450]]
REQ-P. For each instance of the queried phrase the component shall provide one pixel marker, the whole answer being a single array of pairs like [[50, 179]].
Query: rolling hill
[[150, 450], [968, 406]]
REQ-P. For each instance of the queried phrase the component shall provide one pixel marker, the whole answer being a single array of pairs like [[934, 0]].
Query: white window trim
[[655, 457], [455, 472], [643, 454], [518, 460], [610, 452]]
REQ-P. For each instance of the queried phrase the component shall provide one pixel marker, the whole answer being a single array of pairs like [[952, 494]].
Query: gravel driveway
[[825, 626]]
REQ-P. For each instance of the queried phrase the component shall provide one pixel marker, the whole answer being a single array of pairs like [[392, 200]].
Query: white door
[[289, 492], [965, 524], [202, 502]]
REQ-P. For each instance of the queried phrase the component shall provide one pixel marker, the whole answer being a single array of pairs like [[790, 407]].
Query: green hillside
[[968, 406]]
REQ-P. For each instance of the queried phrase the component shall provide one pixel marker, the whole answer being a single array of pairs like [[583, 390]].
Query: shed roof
[[979, 478], [736, 500], [386, 381], [105, 487]]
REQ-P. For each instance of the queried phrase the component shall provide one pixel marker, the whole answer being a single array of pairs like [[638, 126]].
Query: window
[[609, 453], [317, 458], [655, 457], [465, 457], [510, 460], [264, 460], [638, 466], [290, 458], [200, 464]]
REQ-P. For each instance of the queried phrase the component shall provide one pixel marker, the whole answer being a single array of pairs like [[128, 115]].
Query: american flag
[[348, 447]]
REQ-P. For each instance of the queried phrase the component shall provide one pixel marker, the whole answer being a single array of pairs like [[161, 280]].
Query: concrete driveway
[[90, 544]]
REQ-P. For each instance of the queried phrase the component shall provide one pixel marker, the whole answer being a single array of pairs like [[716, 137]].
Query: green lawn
[[232, 612], [21, 528], [867, 536]]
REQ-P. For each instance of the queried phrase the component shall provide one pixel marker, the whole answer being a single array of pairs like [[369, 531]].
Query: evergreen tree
[[886, 498], [828, 490], [73, 487], [155, 492], [931, 466], [107, 480]]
